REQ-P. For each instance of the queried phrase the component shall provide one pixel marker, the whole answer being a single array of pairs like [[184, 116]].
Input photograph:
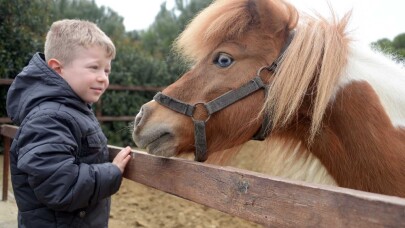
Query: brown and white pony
[[334, 111]]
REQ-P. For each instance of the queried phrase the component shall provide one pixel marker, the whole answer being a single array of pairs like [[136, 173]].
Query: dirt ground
[[136, 205]]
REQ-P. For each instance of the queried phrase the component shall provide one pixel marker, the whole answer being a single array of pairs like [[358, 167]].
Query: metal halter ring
[[271, 68], [195, 108]]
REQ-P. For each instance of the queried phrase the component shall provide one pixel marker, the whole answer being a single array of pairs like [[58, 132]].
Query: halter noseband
[[220, 103]]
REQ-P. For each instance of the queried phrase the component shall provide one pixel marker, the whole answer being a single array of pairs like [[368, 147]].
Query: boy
[[59, 160]]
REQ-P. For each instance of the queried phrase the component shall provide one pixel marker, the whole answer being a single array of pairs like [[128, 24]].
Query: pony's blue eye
[[223, 60]]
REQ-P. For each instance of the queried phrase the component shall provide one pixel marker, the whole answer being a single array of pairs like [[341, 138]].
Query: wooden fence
[[255, 197], [98, 108]]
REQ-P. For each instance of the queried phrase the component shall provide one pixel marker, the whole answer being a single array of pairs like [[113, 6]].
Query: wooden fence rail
[[259, 198]]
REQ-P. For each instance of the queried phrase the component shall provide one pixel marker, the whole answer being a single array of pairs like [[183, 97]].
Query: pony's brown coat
[[359, 145]]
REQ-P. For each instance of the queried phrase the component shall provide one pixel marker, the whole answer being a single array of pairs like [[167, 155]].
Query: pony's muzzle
[[138, 117]]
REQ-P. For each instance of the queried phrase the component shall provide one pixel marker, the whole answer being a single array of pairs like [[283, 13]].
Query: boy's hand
[[122, 158]]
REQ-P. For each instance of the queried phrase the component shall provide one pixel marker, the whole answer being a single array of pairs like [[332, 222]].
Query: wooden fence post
[[6, 167]]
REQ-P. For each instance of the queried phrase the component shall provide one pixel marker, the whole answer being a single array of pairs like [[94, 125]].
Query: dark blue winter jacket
[[59, 160]]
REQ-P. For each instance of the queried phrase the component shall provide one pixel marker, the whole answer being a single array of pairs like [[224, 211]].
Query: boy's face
[[88, 73]]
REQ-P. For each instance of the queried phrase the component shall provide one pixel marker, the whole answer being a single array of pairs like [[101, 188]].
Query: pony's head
[[234, 47]]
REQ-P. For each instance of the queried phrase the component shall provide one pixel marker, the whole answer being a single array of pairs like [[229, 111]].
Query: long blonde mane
[[311, 66]]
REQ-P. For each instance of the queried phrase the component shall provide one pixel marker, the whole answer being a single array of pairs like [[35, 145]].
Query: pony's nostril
[[138, 117]]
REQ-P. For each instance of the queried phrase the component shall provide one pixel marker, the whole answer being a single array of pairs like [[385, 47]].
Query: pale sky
[[371, 19]]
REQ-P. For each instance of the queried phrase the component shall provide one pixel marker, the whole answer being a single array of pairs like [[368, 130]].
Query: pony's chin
[[164, 152], [162, 147]]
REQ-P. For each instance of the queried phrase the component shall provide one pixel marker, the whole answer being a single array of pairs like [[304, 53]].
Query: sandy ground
[[8, 209], [136, 205]]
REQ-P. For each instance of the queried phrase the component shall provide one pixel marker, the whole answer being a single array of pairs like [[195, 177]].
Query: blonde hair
[[66, 36]]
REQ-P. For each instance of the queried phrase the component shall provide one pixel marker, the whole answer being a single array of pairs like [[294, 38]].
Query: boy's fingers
[[127, 150], [126, 160], [124, 152]]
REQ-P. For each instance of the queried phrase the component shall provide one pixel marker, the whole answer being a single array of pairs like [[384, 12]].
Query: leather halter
[[220, 103]]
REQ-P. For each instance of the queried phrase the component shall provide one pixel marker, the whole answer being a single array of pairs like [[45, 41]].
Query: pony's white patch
[[289, 159], [385, 76], [286, 158]]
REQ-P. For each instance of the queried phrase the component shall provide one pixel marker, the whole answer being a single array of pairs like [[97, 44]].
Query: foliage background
[[143, 57]]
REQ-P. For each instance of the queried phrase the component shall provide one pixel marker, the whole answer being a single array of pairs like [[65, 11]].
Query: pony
[[327, 109]]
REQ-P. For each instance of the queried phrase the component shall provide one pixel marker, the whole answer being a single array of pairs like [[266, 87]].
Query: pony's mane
[[310, 67], [222, 20]]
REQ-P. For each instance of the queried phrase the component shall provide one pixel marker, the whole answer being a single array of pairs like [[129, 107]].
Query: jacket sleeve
[[47, 151]]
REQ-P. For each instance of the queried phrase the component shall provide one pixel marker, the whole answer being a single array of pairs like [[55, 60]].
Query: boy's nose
[[102, 77]]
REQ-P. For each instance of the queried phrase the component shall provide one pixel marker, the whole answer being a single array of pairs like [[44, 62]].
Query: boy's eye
[[94, 67]]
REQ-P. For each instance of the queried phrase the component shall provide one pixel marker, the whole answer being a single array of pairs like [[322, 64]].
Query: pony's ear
[[277, 14]]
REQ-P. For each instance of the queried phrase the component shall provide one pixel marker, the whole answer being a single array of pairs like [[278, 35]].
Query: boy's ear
[[55, 65]]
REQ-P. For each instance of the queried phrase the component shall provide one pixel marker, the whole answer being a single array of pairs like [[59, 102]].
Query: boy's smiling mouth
[[97, 88]]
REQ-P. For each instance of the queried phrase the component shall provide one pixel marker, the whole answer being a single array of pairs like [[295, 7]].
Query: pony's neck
[[362, 138], [385, 76]]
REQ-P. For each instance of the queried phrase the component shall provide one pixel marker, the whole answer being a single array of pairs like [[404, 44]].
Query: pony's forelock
[[212, 26]]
